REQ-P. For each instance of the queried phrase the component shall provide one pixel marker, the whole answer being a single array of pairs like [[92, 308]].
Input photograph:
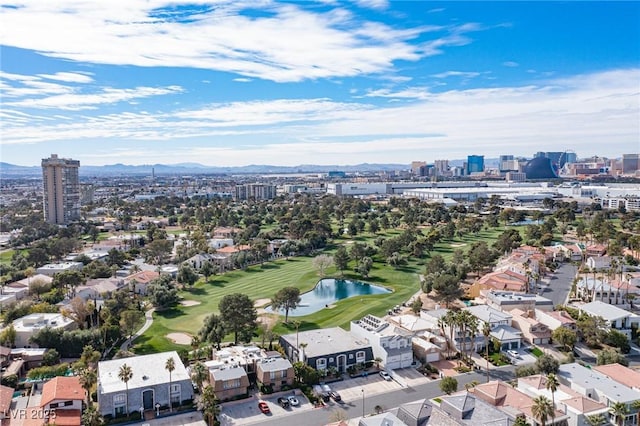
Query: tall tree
[[92, 417], [125, 374], [321, 263], [447, 288], [341, 259], [448, 385], [486, 332], [552, 386], [286, 298], [170, 365], [239, 316], [88, 379], [596, 420], [541, 409], [213, 330], [186, 275], [208, 404], [207, 269], [199, 374]]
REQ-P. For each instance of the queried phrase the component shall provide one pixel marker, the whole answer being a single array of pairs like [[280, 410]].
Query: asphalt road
[[559, 284], [353, 408]]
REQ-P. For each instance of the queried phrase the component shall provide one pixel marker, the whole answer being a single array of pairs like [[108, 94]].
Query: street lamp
[[362, 402]]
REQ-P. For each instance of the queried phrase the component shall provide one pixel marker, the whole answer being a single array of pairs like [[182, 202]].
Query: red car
[[264, 408]]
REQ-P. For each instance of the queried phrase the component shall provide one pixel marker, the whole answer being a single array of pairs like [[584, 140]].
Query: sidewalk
[[148, 316]]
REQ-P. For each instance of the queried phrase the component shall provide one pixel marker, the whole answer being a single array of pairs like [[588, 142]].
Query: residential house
[[621, 374], [507, 300], [616, 318], [6, 393], [64, 396], [229, 382], [383, 419], [574, 405], [328, 347], [275, 372], [139, 281], [595, 250], [556, 319], [533, 331], [501, 280], [218, 243], [29, 325], [390, 344], [6, 300], [598, 263], [513, 402], [501, 329], [465, 409], [148, 386], [51, 269], [416, 413], [100, 288], [597, 386]]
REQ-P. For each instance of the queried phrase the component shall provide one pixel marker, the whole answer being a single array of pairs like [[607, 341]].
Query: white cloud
[[242, 80], [447, 74], [274, 45], [511, 64], [70, 77], [373, 4], [584, 111], [79, 101]]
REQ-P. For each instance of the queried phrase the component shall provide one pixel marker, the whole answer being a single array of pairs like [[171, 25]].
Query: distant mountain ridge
[[12, 170]]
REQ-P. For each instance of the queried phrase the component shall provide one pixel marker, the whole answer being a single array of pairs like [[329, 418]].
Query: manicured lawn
[[497, 359], [5, 257], [262, 282], [535, 351]]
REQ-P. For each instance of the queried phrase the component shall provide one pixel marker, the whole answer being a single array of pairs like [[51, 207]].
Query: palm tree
[[170, 365], [552, 385], [125, 374], [596, 420], [636, 406], [486, 331], [449, 320], [541, 409], [88, 378], [199, 373], [91, 417], [208, 403], [620, 412], [377, 362]]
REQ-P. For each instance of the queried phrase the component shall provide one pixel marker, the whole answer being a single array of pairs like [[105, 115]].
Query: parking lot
[[246, 411], [524, 357]]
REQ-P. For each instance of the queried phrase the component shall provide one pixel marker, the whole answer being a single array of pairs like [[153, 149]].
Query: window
[[231, 384], [283, 374], [175, 388], [272, 375], [68, 403], [119, 399], [331, 359], [360, 356], [54, 405], [120, 410], [321, 364]]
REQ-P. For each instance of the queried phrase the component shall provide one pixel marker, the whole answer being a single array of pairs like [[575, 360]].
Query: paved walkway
[[148, 320]]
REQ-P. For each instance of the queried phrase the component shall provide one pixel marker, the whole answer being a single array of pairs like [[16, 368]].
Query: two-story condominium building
[[64, 397], [601, 388], [621, 374], [51, 269], [149, 385], [275, 372], [616, 318], [327, 347], [391, 344], [508, 300], [229, 382], [31, 324]]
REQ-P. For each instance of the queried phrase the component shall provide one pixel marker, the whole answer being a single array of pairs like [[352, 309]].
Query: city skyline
[[239, 83]]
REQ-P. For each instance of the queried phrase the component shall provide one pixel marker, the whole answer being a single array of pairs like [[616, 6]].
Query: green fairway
[[5, 257], [263, 281]]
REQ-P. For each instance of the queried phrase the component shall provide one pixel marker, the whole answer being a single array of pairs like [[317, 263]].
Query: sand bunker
[[189, 302], [458, 244], [261, 302], [179, 338]]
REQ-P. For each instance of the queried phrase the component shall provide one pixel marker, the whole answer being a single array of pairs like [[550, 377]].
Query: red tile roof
[[6, 393], [62, 388]]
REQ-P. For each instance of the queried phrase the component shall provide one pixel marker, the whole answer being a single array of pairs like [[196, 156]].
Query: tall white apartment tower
[[61, 190]]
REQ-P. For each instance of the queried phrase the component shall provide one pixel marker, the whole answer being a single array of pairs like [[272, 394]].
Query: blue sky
[[230, 83]]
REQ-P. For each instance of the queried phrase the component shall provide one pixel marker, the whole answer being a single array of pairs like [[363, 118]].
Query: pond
[[330, 290]]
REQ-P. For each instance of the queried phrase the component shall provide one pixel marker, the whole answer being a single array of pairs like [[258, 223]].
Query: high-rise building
[[61, 190], [475, 164], [630, 163]]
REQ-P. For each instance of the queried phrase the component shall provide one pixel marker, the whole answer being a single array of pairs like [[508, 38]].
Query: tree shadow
[[270, 266], [199, 291], [170, 313]]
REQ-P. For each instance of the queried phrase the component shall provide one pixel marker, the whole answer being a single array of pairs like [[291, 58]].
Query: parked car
[[321, 393], [264, 407], [513, 354], [284, 402], [293, 401], [385, 375]]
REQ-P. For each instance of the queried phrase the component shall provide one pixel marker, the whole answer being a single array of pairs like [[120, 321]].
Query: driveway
[[246, 411], [524, 357]]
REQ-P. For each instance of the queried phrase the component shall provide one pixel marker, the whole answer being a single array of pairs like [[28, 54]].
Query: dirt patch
[[179, 338], [267, 318], [189, 302], [261, 302]]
